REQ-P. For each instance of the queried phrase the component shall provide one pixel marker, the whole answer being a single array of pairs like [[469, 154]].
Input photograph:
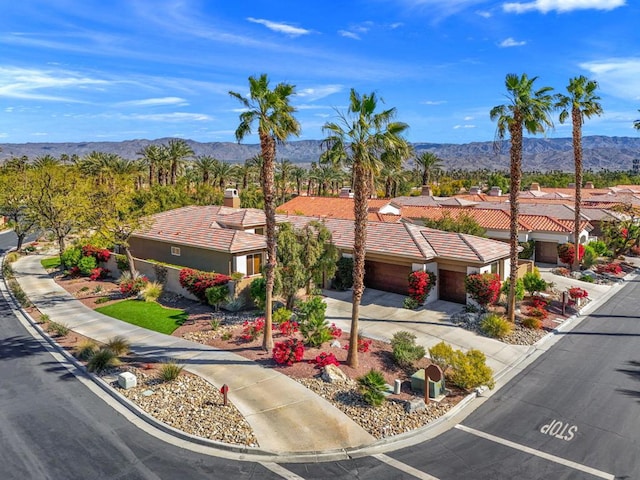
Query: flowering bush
[[611, 268], [197, 282], [484, 288], [420, 284], [100, 254], [99, 273], [288, 327], [566, 252], [252, 330], [325, 359], [538, 312], [364, 345], [577, 292], [288, 352], [133, 286], [562, 271]]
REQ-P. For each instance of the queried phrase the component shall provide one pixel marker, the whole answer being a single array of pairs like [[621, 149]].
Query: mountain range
[[539, 154]]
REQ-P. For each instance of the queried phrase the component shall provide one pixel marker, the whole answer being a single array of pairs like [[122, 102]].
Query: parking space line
[[280, 470], [403, 467], [537, 453]]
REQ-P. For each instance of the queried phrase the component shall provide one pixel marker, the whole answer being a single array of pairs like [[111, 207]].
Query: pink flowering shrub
[[288, 328], [288, 352], [335, 331], [325, 359], [577, 292], [197, 282], [100, 254], [252, 330], [133, 286], [420, 284], [610, 268], [99, 273], [364, 345]]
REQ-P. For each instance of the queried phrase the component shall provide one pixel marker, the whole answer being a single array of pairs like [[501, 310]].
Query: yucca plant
[[102, 360], [118, 345], [170, 371]]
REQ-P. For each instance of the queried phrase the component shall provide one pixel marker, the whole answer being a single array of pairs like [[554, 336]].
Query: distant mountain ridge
[[543, 154]]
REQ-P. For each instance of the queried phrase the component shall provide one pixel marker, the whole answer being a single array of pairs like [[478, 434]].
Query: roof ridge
[[410, 227], [463, 237]]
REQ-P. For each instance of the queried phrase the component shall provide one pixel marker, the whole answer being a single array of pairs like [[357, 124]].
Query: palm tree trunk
[[577, 155], [361, 205], [268, 167], [516, 178]]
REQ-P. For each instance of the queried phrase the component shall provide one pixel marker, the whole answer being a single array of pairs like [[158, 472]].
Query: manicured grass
[[149, 315], [50, 263]]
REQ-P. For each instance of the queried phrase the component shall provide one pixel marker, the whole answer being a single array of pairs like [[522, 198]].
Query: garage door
[[547, 252], [387, 277], [451, 286]]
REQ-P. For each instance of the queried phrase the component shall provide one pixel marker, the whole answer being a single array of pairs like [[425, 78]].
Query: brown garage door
[[547, 252], [451, 286], [387, 277]]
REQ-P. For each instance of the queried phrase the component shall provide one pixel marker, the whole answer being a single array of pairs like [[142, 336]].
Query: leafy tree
[[15, 192], [527, 109], [462, 223], [274, 114], [580, 103], [358, 139]]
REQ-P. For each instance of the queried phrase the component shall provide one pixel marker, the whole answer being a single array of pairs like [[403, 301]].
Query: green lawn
[[146, 314], [50, 263]]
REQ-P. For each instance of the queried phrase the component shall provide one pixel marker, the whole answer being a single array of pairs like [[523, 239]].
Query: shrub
[[325, 359], [364, 345], [495, 326], [86, 349], [484, 288], [410, 303], [122, 262], [313, 325], [590, 256], [58, 329], [197, 282], [226, 336], [373, 387], [235, 305], [217, 296], [344, 274], [504, 290], [98, 273], [335, 331], [577, 292], [587, 278], [70, 257], [7, 270], [132, 286], [281, 315], [288, 352], [100, 254], [11, 257], [215, 323], [609, 268], [152, 291], [252, 330], [562, 271], [528, 249], [19, 294], [288, 327], [466, 370], [44, 318], [538, 312], [420, 284], [566, 252], [258, 292], [533, 323], [118, 345], [599, 246], [533, 282], [170, 371], [405, 350], [102, 360], [102, 300]]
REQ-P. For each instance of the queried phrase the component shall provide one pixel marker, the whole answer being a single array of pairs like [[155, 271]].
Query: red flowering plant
[[364, 345], [133, 286], [325, 359], [197, 282], [484, 288], [288, 327], [99, 273], [335, 331], [100, 254], [610, 268], [567, 251], [420, 284], [252, 330], [577, 292], [288, 352]]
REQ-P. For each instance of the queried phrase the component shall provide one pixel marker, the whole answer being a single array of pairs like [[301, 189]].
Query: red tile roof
[[329, 207]]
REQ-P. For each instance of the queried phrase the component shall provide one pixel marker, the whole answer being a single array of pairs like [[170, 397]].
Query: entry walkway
[[285, 416]]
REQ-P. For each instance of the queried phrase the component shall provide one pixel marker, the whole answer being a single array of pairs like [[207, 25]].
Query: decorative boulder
[[332, 374], [414, 405]]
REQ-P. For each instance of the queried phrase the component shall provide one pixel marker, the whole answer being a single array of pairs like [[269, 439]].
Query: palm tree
[[205, 165], [530, 109], [429, 163], [223, 173], [274, 114], [283, 170], [152, 157], [580, 103], [177, 151], [359, 140], [636, 124], [299, 175]]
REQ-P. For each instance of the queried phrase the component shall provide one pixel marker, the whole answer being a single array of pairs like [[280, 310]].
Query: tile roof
[[199, 226], [329, 207]]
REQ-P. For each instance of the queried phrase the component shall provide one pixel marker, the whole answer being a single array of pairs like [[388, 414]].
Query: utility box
[[127, 380], [436, 387]]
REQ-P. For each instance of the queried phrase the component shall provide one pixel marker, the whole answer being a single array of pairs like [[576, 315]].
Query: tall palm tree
[[527, 109], [283, 170], [152, 157], [274, 114], [429, 163], [205, 165], [359, 139], [299, 175], [177, 152], [223, 173], [581, 102]]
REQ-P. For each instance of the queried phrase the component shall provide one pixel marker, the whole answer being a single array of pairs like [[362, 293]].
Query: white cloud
[[316, 93], [154, 102], [456, 127], [484, 14], [617, 76], [281, 27], [347, 34], [562, 6], [511, 42], [170, 117], [433, 102], [468, 118]]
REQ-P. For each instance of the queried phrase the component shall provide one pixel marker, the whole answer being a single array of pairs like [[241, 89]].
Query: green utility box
[[436, 389]]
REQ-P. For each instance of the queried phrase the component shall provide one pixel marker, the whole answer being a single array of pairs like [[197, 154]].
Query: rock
[[414, 405], [335, 344], [332, 374]]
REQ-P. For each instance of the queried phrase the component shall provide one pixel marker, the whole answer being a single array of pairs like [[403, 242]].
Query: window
[[259, 231], [254, 264], [175, 251]]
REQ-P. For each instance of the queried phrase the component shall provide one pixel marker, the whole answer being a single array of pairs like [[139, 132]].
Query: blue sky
[[95, 70]]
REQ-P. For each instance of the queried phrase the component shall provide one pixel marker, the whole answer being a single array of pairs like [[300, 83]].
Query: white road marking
[[537, 453], [280, 470], [403, 467]]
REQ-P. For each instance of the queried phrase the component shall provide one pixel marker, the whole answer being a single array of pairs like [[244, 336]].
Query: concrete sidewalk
[[285, 416]]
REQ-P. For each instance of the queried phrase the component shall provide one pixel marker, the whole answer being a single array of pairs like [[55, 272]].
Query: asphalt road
[[572, 414]]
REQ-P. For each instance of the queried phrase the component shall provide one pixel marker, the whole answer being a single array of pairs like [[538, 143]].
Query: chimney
[[345, 192], [535, 187], [495, 192], [231, 198], [589, 185], [426, 191], [475, 190]]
